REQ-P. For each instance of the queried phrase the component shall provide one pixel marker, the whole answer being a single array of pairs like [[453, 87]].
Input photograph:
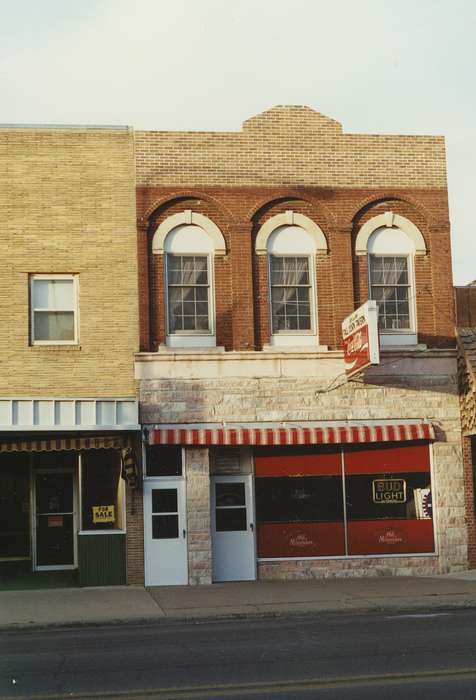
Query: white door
[[233, 528], [165, 533]]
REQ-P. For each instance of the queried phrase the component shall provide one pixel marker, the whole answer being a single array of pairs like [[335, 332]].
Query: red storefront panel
[[380, 459], [300, 539], [390, 536], [281, 463]]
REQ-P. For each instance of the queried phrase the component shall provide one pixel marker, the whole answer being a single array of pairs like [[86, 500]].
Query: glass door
[[55, 520]]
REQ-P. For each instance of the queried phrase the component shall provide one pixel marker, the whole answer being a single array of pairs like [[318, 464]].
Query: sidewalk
[[134, 604]]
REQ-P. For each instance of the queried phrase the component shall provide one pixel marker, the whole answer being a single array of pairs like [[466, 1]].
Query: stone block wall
[[402, 388], [197, 474]]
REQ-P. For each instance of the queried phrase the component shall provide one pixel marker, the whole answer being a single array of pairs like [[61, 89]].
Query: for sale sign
[[103, 514], [360, 339]]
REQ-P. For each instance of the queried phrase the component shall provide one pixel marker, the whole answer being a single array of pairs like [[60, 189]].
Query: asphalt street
[[354, 656]]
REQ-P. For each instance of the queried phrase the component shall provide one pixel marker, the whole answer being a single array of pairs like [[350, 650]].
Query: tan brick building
[[69, 311], [262, 460]]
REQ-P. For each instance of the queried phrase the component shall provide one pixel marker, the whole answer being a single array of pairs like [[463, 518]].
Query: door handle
[[252, 527], [184, 532]]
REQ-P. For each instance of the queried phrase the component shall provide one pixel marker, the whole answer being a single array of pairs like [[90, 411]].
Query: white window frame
[[411, 293], [397, 337], [312, 332], [44, 276], [192, 337]]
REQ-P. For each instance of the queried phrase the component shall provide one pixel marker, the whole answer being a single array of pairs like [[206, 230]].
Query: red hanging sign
[[361, 339]]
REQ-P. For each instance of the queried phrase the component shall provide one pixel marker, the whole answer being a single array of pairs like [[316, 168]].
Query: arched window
[[291, 242], [391, 243], [391, 283], [189, 242]]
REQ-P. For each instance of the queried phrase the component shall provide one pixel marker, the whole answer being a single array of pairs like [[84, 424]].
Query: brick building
[[465, 298], [68, 304], [261, 459], [220, 266]]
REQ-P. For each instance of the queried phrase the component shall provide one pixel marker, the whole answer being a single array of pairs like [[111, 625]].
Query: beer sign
[[360, 339], [389, 490]]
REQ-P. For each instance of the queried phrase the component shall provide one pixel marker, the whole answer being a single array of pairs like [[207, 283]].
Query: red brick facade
[[241, 284]]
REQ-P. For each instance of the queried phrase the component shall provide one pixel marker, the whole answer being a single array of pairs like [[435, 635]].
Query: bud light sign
[[360, 339]]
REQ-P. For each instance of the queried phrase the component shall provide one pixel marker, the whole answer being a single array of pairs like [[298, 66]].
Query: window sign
[[389, 490], [103, 514], [368, 500]]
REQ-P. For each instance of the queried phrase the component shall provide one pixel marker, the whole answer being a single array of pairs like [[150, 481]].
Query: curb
[[418, 609]]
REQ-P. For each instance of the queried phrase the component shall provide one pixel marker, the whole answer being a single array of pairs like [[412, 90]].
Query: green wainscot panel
[[102, 559]]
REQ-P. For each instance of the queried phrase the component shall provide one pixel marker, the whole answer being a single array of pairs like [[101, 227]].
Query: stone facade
[[291, 389], [197, 472]]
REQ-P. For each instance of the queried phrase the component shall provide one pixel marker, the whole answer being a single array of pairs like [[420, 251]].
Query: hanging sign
[[389, 490], [360, 339], [103, 514], [55, 521]]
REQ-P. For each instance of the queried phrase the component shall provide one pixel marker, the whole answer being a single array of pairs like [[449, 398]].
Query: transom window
[[390, 287], [53, 300], [188, 289], [290, 293]]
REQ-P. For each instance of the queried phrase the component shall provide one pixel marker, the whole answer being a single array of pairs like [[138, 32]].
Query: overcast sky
[[376, 66]]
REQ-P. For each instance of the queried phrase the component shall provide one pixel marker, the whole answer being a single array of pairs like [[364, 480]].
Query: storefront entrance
[[54, 520], [165, 531], [233, 527]]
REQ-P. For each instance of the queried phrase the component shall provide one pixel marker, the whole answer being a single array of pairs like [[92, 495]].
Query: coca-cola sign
[[360, 339]]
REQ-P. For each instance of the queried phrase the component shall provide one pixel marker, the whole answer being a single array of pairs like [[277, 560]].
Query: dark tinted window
[[164, 460], [299, 499]]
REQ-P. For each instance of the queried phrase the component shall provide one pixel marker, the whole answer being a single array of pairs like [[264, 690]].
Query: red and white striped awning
[[296, 435]]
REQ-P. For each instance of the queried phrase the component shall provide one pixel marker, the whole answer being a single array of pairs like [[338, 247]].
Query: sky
[[379, 67]]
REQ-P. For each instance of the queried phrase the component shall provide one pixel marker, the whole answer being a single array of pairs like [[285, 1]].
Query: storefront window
[[355, 501], [299, 503], [14, 506], [102, 491], [388, 500]]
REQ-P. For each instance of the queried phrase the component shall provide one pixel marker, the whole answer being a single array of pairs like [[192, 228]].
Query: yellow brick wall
[[67, 205], [293, 146]]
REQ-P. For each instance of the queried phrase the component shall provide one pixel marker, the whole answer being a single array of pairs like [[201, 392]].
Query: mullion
[[288, 267], [192, 286]]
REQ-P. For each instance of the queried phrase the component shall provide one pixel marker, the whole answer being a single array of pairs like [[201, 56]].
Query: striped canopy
[[53, 444], [290, 435]]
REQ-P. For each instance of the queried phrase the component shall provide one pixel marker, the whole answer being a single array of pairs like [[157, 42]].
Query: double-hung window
[[291, 294], [391, 288], [54, 309], [188, 291]]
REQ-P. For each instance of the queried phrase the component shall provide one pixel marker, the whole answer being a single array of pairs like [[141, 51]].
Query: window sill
[[55, 348], [101, 532], [398, 340], [189, 349], [295, 348], [190, 341]]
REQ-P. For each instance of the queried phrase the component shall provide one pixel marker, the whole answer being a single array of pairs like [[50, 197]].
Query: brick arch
[[175, 197], [371, 201], [290, 196]]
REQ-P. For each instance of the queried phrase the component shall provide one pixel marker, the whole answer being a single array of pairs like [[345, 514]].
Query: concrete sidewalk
[[134, 604]]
